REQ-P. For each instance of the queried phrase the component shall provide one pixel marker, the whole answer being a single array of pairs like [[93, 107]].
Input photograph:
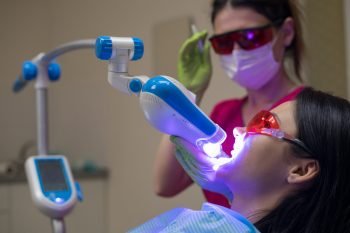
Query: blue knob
[[29, 70], [135, 85], [138, 49], [103, 47], [54, 71], [18, 84]]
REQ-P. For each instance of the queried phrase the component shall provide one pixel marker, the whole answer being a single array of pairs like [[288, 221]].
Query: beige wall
[[89, 119], [347, 40], [326, 45]]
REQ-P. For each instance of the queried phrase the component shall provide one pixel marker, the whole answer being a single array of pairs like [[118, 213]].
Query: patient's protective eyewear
[[247, 39], [266, 123]]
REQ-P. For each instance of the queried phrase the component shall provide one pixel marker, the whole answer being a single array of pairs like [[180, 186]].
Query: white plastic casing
[[45, 205]]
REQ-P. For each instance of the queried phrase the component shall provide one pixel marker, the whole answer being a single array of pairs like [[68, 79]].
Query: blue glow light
[[237, 147], [218, 162], [216, 167], [59, 200], [212, 150]]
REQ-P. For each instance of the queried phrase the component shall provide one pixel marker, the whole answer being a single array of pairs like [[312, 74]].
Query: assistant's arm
[[169, 177]]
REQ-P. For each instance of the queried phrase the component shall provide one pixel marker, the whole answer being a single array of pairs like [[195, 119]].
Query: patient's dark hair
[[323, 124]]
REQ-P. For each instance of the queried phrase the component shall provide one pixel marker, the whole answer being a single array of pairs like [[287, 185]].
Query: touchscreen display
[[52, 176]]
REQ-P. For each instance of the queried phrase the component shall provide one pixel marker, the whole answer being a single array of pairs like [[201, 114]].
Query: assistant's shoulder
[[226, 106], [229, 103], [290, 96]]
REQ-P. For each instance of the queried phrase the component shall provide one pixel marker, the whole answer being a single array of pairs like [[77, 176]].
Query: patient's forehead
[[286, 116]]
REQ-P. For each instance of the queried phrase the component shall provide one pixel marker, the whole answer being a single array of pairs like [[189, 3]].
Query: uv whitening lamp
[[168, 106], [51, 184]]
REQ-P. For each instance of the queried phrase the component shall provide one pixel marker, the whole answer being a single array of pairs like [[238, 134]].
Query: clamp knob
[[54, 71], [135, 85], [103, 47], [138, 49], [29, 70]]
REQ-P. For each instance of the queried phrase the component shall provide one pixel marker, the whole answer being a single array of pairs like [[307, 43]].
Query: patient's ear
[[303, 171]]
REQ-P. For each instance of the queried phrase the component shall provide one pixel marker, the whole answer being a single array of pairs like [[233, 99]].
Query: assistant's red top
[[228, 114]]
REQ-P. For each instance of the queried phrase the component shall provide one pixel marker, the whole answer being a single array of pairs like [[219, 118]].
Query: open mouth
[[221, 161], [237, 147]]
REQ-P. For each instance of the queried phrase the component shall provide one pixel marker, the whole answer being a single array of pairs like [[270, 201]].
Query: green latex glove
[[200, 167], [194, 66]]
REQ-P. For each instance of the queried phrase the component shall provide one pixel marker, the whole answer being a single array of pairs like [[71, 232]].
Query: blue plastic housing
[[103, 47], [174, 97], [138, 49]]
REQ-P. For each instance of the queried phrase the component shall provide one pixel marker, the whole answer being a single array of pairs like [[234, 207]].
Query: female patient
[[289, 173]]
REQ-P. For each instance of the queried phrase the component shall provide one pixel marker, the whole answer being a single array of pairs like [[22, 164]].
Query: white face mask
[[251, 69]]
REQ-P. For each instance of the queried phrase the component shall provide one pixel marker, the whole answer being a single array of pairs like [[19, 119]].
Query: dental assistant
[[253, 39]]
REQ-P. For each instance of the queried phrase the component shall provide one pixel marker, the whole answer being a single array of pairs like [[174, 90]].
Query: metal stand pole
[[58, 225], [42, 121]]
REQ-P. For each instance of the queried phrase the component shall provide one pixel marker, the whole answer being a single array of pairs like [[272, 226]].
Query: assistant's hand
[[199, 166], [194, 64]]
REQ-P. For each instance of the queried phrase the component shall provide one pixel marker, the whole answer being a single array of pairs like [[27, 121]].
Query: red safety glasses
[[247, 39], [266, 123]]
